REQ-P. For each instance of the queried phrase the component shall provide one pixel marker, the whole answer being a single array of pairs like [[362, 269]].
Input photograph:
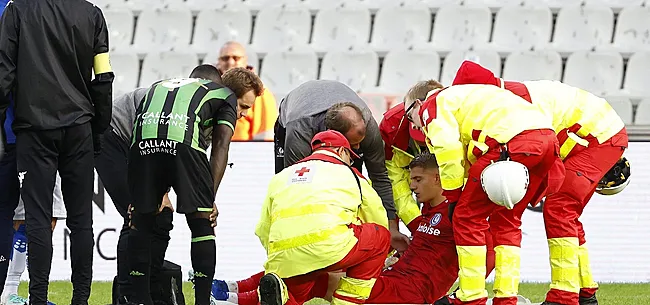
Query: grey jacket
[[302, 114]]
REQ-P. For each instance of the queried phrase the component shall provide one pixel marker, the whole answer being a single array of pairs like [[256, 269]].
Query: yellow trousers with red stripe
[[569, 259]]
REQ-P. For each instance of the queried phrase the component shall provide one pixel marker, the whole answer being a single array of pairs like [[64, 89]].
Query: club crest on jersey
[[435, 220]]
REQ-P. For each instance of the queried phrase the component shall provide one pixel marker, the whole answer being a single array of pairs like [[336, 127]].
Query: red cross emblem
[[301, 172]]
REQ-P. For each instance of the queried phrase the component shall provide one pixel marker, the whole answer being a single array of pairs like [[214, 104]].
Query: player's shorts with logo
[[58, 208], [158, 164]]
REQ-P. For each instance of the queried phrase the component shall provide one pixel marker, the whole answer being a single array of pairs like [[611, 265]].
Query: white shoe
[[14, 299], [523, 300]]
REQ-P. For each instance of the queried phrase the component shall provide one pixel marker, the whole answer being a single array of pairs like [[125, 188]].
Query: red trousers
[[364, 262], [584, 169], [538, 150]]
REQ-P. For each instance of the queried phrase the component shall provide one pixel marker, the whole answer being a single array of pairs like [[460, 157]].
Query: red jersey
[[431, 261]]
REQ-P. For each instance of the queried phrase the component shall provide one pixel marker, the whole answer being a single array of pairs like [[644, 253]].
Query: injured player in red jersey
[[423, 275]]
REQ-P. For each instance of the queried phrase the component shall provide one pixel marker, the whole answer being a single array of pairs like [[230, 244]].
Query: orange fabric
[[258, 124]]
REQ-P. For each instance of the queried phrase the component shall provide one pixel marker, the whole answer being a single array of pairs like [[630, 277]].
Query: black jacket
[[48, 50]]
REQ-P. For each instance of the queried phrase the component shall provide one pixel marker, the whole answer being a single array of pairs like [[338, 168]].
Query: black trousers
[[40, 153], [9, 196], [112, 167]]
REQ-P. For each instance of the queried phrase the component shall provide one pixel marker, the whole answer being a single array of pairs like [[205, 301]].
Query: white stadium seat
[[494, 5], [352, 28], [139, 5], [487, 58], [522, 28], [163, 30], [253, 60], [283, 71], [109, 4], [533, 65], [258, 5], [623, 107], [597, 72], [616, 5], [636, 76], [554, 5], [358, 69], [216, 27], [461, 27], [120, 23], [203, 5], [581, 28], [402, 69], [643, 113], [279, 28], [398, 28], [126, 67], [163, 65], [632, 29], [433, 4]]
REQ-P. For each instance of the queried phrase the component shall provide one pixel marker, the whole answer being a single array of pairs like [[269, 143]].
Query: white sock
[[232, 286], [17, 263], [233, 297]]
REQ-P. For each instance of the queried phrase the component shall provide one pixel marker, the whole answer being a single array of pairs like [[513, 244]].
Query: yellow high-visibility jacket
[[465, 121], [579, 117], [394, 130], [306, 213]]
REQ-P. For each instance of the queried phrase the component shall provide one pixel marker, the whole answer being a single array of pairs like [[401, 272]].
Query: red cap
[[331, 138], [473, 73]]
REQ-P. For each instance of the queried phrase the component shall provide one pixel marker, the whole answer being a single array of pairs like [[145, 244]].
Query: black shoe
[[271, 290], [589, 301]]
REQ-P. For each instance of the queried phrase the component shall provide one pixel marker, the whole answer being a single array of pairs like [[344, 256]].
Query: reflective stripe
[[569, 144], [471, 274], [563, 256], [102, 63], [355, 288], [302, 240], [586, 278], [305, 210], [507, 265], [202, 238]]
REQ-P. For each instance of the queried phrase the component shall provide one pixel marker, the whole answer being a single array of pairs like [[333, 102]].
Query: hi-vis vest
[[399, 150], [580, 119], [306, 213], [463, 122]]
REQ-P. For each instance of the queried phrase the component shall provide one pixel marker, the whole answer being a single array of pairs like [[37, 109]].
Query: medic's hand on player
[[452, 197], [398, 241], [214, 215]]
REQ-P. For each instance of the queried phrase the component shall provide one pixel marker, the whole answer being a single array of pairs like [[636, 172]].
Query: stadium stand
[[379, 47]]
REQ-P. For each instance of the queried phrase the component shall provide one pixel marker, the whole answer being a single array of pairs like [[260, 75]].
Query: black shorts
[[155, 165]]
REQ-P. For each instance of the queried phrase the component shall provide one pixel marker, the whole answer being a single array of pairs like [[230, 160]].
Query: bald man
[[258, 123], [319, 105]]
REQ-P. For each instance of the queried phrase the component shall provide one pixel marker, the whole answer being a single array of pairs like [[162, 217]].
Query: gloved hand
[[452, 206], [97, 143]]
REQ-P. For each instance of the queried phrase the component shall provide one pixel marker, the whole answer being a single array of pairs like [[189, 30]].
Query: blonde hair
[[420, 89]]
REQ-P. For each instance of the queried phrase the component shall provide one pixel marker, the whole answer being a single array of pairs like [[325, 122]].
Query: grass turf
[[609, 294]]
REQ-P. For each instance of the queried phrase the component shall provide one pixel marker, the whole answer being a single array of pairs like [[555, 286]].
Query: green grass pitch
[[609, 294]]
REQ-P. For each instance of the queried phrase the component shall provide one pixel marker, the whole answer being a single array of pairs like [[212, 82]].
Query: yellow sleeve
[[443, 135], [407, 208], [266, 112], [372, 209], [264, 224]]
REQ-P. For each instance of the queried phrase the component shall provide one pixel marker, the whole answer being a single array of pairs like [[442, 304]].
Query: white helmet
[[616, 179], [505, 182]]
